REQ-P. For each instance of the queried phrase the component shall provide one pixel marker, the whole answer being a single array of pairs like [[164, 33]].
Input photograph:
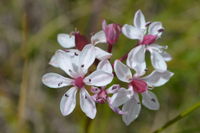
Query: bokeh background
[[28, 31]]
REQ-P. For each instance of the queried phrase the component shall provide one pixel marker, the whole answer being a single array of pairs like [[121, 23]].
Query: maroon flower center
[[78, 82], [148, 39], [139, 85], [80, 41], [102, 96]]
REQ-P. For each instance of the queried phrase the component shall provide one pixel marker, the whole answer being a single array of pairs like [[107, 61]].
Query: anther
[[153, 100], [59, 84], [75, 54], [160, 30]]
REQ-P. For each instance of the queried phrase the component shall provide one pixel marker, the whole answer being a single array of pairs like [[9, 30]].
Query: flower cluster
[[90, 72]]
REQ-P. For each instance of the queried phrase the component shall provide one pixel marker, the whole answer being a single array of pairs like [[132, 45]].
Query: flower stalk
[[178, 117]]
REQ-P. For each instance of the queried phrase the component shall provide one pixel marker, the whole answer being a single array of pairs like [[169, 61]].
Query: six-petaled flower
[[146, 33], [77, 70]]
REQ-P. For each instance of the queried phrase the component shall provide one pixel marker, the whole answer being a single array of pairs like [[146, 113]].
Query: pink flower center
[[139, 85], [102, 96], [78, 82], [148, 39]]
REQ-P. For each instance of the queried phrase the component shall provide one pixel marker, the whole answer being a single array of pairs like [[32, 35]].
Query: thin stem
[[124, 57], [179, 117], [110, 48], [24, 82], [87, 125]]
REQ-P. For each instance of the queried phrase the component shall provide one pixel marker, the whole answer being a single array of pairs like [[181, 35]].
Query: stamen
[[75, 54], [59, 84], [153, 100], [160, 30]]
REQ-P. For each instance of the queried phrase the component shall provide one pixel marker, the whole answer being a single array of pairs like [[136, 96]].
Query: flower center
[[79, 82], [102, 96], [139, 85], [80, 41], [148, 39]]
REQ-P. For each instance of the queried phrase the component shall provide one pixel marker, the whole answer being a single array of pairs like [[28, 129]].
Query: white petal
[[98, 78], [166, 56], [139, 20], [156, 79], [101, 54], [62, 60], [158, 61], [132, 109], [66, 41], [160, 49], [150, 100], [87, 104], [113, 89], [87, 57], [133, 32], [54, 80], [122, 71], [136, 59], [105, 65], [68, 101], [121, 97], [157, 47], [72, 52], [99, 37], [154, 28], [95, 90]]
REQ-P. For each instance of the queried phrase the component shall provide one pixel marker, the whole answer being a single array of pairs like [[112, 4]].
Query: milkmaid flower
[[129, 98], [146, 33], [78, 41], [78, 79]]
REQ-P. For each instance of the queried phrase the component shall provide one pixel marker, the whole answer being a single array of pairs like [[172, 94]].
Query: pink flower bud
[[101, 97], [112, 32]]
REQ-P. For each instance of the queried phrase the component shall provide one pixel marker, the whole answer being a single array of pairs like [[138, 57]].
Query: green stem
[[87, 125], [179, 117]]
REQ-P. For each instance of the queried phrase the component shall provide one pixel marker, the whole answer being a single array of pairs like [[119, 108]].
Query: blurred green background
[[28, 31]]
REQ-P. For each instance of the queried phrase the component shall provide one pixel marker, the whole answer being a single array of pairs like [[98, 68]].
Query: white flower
[[146, 33], [129, 98], [77, 69], [79, 41]]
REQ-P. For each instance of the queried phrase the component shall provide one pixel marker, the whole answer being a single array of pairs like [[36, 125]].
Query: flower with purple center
[[129, 98], [77, 71], [146, 33]]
